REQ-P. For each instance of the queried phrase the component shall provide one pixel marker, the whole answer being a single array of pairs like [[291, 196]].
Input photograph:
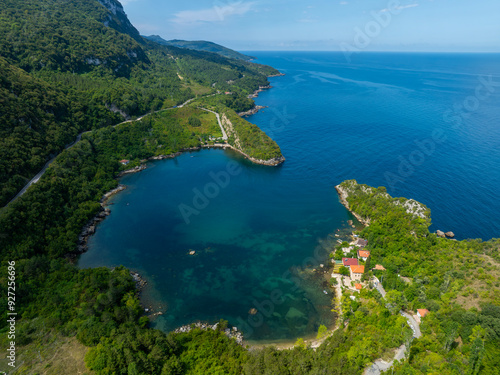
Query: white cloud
[[401, 7], [214, 14]]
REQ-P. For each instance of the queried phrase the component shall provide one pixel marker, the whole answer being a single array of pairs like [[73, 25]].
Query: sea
[[218, 237]]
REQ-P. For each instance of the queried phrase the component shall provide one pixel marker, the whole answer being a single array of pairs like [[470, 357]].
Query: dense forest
[[71, 66], [80, 67]]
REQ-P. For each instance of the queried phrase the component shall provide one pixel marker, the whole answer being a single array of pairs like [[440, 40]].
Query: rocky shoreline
[[90, 228], [252, 111], [232, 333], [258, 91], [139, 168], [343, 194]]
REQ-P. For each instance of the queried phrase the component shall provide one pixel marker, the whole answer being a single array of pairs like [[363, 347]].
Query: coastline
[[252, 111], [343, 194], [262, 88]]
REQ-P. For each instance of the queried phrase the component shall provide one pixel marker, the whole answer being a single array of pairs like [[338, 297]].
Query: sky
[[325, 25]]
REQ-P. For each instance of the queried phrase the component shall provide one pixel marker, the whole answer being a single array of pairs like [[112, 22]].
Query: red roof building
[[358, 286], [347, 262]]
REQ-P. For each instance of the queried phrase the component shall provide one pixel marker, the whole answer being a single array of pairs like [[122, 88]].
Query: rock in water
[[450, 234], [349, 222], [440, 233]]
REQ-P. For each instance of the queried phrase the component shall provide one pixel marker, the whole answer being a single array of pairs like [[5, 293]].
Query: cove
[[255, 242]]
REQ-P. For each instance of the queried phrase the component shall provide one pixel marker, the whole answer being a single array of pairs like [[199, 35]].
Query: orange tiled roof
[[358, 286], [358, 269], [423, 312], [363, 253]]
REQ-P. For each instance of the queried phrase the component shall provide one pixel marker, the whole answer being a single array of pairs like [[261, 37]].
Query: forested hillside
[[457, 281], [70, 66]]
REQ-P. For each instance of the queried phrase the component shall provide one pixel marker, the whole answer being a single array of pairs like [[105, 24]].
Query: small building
[[356, 272], [379, 267], [358, 286], [422, 312], [363, 254], [124, 161], [347, 262], [361, 242]]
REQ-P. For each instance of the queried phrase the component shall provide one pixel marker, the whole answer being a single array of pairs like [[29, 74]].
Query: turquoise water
[[258, 232]]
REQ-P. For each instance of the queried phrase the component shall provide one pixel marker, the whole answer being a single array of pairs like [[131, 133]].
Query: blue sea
[[218, 237]]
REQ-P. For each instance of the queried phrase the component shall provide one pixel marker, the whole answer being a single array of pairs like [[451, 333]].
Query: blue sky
[[325, 25]]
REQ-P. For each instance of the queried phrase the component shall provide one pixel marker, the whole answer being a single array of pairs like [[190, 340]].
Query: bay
[[411, 122]]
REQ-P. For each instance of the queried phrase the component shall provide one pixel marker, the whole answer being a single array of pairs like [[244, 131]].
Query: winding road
[[380, 365], [79, 137]]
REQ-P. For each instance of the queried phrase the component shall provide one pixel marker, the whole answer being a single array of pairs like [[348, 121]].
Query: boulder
[[440, 233], [450, 234], [349, 222]]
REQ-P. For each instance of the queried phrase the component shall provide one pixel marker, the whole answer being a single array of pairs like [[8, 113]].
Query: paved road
[[224, 135], [79, 137], [380, 365]]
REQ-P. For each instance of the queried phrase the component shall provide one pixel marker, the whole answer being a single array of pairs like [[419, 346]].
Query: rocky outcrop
[[413, 207], [232, 333], [112, 192], [252, 111], [140, 282], [258, 91], [270, 162], [440, 233], [450, 234], [139, 168]]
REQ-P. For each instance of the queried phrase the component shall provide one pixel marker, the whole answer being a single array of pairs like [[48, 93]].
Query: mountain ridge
[[201, 45]]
